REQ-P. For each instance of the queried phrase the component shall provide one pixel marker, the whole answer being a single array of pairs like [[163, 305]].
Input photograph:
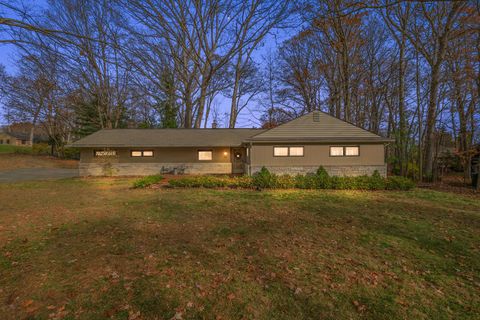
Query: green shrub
[[147, 181], [212, 182], [377, 182], [285, 182], [399, 183], [71, 153], [308, 181], [241, 182], [323, 179], [201, 182], [264, 179], [41, 148], [23, 150]]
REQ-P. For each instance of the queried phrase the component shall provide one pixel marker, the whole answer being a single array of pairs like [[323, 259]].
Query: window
[[205, 155], [141, 153], [8, 141], [105, 153], [288, 151], [296, 151], [280, 151], [1, 141], [336, 151], [353, 151]]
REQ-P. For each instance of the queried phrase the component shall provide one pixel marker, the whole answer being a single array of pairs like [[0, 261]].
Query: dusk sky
[[9, 55]]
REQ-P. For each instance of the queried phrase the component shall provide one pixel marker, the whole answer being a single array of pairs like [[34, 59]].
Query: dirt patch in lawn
[[12, 161], [96, 249]]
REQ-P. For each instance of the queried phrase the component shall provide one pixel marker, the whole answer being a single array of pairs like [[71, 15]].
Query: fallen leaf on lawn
[[133, 315], [360, 307], [178, 316], [27, 303], [231, 296]]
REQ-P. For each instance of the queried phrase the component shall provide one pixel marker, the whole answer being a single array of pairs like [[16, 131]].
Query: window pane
[[204, 155], [336, 151], [136, 153], [296, 151], [352, 151], [280, 151], [148, 153]]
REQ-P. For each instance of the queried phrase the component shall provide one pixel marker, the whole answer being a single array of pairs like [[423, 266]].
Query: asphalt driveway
[[29, 174]]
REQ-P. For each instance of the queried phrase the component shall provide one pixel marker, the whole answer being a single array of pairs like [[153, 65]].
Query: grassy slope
[[17, 157], [95, 249], [4, 148]]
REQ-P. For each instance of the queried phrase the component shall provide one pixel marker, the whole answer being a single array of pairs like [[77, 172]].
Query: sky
[[8, 56]]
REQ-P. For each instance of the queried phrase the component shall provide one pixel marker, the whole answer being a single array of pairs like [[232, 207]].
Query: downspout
[[250, 159]]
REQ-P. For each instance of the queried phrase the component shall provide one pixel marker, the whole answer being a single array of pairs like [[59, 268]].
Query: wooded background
[[409, 70]]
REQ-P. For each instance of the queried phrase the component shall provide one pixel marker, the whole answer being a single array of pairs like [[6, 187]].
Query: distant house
[[296, 147], [15, 139], [18, 134]]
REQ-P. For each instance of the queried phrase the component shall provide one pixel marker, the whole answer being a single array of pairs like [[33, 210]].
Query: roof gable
[[317, 126]]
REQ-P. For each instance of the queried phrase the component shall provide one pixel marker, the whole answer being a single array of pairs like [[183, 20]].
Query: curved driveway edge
[[33, 174]]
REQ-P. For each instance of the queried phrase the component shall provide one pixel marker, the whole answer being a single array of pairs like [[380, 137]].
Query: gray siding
[[316, 155]]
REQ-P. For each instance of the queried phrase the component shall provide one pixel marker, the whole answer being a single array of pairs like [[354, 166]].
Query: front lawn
[[98, 249], [12, 161]]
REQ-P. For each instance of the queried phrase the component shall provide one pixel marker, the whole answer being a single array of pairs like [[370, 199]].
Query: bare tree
[[201, 38], [430, 31]]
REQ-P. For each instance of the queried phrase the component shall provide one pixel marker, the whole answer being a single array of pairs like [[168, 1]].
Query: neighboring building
[[299, 146], [18, 134], [14, 139]]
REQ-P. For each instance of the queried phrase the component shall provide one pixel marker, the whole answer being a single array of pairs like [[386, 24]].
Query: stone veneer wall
[[143, 169], [353, 170]]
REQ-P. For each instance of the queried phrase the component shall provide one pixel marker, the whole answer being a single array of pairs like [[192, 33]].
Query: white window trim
[[289, 154], [344, 151], [142, 154], [352, 155], [296, 155], [280, 155]]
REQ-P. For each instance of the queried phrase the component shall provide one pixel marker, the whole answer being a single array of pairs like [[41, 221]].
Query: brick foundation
[[143, 169], [355, 170]]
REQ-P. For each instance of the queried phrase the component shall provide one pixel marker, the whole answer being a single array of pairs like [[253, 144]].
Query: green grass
[[5, 148], [96, 249]]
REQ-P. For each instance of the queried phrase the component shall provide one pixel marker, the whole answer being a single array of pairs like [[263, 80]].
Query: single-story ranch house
[[15, 139], [299, 146]]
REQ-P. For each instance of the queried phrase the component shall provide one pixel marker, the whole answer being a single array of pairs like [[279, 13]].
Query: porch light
[[225, 153]]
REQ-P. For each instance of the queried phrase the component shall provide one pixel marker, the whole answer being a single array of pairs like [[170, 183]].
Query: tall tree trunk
[[431, 120], [402, 145]]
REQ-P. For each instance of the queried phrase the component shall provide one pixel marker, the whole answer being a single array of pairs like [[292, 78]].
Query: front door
[[238, 161]]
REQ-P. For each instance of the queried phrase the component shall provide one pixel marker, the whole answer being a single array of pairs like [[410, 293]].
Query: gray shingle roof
[[318, 127], [167, 138], [325, 128]]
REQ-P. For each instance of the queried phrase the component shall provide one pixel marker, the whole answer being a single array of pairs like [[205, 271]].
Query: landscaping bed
[[267, 180]]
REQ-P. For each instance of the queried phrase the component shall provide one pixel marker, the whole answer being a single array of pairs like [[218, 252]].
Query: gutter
[[322, 141]]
